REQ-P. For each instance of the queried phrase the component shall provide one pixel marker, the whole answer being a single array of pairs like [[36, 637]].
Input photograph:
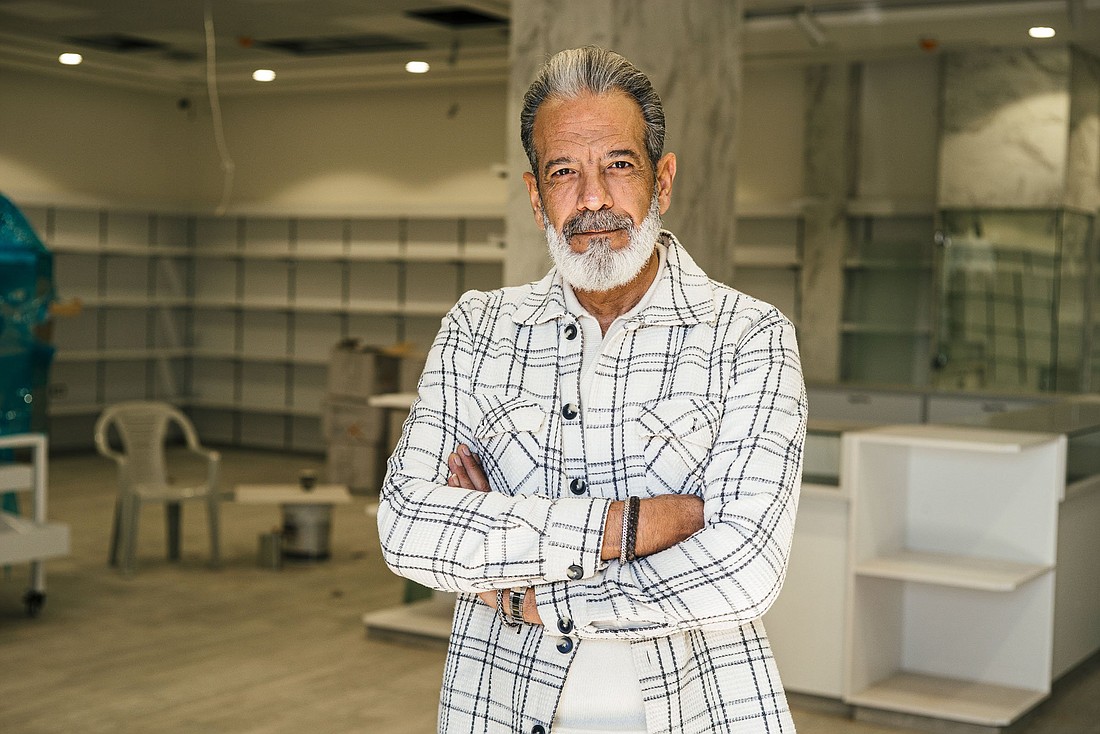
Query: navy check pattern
[[701, 393]]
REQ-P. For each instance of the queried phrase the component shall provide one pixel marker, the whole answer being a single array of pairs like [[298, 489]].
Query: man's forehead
[[612, 120]]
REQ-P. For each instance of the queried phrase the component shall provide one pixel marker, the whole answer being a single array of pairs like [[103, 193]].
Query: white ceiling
[[34, 32]]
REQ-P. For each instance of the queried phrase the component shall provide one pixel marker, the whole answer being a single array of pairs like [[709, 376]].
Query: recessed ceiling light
[[263, 75], [70, 59], [1041, 31], [417, 67]]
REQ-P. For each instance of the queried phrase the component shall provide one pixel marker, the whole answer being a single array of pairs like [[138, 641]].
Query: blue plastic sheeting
[[26, 291]]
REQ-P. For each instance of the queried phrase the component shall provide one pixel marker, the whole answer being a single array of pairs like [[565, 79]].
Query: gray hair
[[572, 72]]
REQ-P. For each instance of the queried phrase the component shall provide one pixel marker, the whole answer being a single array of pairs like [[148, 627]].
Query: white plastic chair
[[142, 427]]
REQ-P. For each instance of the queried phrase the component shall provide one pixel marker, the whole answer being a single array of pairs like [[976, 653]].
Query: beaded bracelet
[[635, 505]]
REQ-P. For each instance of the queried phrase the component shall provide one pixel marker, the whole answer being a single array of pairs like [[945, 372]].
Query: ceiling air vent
[[330, 45], [455, 16]]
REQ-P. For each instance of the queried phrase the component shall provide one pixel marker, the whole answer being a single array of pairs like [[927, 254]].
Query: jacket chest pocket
[[677, 438], [511, 437]]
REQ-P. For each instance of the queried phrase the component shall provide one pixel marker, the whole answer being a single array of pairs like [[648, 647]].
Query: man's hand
[[466, 470], [467, 473]]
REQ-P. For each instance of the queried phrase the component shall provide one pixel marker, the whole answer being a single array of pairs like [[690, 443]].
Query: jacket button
[[565, 625], [578, 486], [564, 645], [569, 411], [571, 332], [575, 572], [538, 729]]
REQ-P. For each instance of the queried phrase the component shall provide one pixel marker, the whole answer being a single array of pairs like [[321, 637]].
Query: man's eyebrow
[[623, 153], [557, 162]]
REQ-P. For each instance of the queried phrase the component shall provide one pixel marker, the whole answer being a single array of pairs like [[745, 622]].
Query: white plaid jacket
[[702, 392]]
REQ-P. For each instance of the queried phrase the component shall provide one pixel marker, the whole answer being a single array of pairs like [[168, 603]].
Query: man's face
[[592, 158]]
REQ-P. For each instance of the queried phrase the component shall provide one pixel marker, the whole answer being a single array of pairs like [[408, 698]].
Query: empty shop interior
[[915, 184]]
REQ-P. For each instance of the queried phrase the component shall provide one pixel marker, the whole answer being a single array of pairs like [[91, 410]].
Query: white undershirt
[[602, 692]]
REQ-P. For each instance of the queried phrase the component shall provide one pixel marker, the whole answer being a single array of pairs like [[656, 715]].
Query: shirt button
[[578, 486], [538, 729], [564, 645], [575, 572], [571, 332], [565, 625], [569, 411]]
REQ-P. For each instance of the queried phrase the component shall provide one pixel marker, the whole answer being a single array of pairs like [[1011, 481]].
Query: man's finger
[[472, 467], [458, 472]]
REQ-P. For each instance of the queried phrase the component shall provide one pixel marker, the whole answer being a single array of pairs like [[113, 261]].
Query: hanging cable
[[216, 111]]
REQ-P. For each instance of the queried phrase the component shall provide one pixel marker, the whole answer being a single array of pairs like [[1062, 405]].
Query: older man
[[603, 464]]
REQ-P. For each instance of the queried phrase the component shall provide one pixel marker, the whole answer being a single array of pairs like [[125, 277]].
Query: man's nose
[[594, 194]]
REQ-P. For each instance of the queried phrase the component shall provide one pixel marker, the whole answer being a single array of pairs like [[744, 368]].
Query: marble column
[[691, 53], [831, 103]]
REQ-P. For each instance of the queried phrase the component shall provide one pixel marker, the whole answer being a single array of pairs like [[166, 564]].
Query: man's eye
[[560, 172], [621, 164]]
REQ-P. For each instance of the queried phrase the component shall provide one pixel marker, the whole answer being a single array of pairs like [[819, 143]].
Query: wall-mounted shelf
[[233, 318]]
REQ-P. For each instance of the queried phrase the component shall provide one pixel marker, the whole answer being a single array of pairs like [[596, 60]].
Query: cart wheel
[[34, 601]]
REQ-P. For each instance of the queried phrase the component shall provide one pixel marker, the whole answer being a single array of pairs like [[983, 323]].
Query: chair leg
[[116, 528], [212, 519], [172, 514], [131, 507]]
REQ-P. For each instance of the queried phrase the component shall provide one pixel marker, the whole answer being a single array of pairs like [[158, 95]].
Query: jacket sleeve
[[454, 539], [731, 571]]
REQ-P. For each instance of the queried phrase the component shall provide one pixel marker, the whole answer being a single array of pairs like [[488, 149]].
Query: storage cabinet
[[953, 551]]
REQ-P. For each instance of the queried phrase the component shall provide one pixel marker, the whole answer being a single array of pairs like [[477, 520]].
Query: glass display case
[[1013, 300]]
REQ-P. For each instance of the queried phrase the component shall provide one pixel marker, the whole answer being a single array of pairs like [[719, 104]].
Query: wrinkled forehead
[[611, 120]]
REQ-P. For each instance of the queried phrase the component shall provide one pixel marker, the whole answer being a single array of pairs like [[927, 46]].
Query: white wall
[[770, 135], [408, 151], [66, 141]]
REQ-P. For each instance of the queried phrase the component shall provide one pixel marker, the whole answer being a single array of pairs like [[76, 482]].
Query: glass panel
[[1013, 300]]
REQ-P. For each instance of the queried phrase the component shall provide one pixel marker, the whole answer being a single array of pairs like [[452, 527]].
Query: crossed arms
[[663, 521]]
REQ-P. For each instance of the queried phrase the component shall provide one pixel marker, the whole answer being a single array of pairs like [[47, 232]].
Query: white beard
[[600, 268]]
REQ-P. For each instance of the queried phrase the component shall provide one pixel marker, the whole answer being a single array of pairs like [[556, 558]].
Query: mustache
[[589, 221]]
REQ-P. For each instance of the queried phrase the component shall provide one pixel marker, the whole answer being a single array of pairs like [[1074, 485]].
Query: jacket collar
[[684, 294]]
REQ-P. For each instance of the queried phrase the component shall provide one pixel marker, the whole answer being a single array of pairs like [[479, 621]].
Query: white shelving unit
[[768, 256], [815, 589], [953, 551], [232, 318], [32, 539]]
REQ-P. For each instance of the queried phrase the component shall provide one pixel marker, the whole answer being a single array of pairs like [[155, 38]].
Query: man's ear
[[536, 198], [666, 172]]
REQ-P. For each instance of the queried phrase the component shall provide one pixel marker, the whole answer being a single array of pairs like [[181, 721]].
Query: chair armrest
[[211, 455]]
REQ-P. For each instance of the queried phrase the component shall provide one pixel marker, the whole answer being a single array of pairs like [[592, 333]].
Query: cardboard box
[[351, 422], [361, 467], [412, 365], [358, 370]]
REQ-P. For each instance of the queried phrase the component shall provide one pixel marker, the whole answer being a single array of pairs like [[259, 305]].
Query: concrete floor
[[180, 648]]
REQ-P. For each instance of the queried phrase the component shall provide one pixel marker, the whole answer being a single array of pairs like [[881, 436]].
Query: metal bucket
[[306, 530]]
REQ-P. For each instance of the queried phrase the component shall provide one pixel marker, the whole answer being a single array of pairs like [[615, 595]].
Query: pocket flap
[[501, 414], [694, 420]]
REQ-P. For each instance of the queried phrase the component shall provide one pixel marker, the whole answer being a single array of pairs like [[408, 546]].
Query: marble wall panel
[[1083, 156], [1005, 128], [691, 52]]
